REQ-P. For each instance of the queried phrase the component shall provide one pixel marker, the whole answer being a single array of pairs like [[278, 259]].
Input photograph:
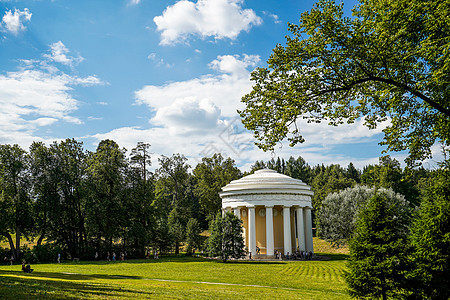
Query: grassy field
[[181, 278], [177, 278]]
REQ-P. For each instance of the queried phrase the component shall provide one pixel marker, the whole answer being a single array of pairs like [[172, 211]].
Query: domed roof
[[266, 181]]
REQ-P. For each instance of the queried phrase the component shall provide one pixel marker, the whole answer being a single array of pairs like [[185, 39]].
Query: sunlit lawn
[[177, 278]]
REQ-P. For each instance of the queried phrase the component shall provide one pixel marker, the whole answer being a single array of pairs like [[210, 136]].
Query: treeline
[[82, 202], [333, 178]]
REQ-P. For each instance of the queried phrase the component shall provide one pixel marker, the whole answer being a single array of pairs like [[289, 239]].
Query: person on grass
[[26, 268]]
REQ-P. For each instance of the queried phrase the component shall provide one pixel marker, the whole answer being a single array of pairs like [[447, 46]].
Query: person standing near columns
[[269, 231]]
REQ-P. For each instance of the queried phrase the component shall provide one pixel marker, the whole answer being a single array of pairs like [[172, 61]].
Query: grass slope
[[176, 278]]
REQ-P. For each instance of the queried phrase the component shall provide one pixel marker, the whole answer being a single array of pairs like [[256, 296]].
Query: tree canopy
[[389, 62], [212, 174]]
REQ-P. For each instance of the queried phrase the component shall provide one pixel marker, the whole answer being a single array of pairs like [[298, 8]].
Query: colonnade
[[302, 233]]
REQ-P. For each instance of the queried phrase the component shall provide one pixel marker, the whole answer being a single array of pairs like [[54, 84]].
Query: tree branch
[[349, 86], [430, 102]]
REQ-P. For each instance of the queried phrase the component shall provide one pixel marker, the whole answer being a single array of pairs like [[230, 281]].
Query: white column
[[251, 231], [287, 230], [269, 231], [300, 229], [308, 230], [237, 212]]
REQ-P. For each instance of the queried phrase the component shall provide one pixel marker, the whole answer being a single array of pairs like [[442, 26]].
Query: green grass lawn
[[177, 278]]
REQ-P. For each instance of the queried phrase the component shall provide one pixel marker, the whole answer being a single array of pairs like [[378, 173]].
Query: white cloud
[[14, 21], [232, 65], [159, 61], [275, 18], [44, 121], [135, 2], [205, 18], [188, 115], [324, 134], [59, 54], [91, 118], [223, 90], [37, 96]]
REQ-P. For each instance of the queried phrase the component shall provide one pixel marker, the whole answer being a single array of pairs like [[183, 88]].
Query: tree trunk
[[11, 245], [177, 250], [17, 243], [41, 238]]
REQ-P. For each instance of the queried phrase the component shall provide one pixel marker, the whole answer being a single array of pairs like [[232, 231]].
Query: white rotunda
[[275, 210]]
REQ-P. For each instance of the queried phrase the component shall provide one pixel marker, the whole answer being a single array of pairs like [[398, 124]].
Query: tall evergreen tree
[[430, 276], [378, 250], [193, 237], [226, 239]]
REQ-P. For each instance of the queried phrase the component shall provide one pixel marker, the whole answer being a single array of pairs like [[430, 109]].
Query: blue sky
[[170, 73]]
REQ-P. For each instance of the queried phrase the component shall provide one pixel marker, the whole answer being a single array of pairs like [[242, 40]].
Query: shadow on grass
[[332, 256], [169, 258], [34, 286], [253, 262], [65, 276]]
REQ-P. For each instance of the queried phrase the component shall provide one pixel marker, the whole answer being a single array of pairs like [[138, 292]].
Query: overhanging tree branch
[[350, 85]]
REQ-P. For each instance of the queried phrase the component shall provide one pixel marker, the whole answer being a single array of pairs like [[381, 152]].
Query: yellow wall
[[278, 237], [245, 224]]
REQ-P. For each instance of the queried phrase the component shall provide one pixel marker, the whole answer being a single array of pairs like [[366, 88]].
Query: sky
[[168, 73]]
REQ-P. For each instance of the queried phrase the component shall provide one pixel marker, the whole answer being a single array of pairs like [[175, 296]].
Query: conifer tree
[[378, 250], [226, 238], [193, 237], [430, 239]]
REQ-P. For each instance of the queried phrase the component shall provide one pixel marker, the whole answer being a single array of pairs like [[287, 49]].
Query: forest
[[77, 202]]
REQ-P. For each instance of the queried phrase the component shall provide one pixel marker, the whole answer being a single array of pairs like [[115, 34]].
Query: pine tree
[[193, 237], [430, 239], [378, 250], [226, 238]]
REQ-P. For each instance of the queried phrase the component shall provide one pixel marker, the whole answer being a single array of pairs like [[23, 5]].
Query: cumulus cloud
[[188, 115], [59, 54], [14, 21], [324, 134], [37, 96], [205, 18], [224, 90], [231, 64]]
